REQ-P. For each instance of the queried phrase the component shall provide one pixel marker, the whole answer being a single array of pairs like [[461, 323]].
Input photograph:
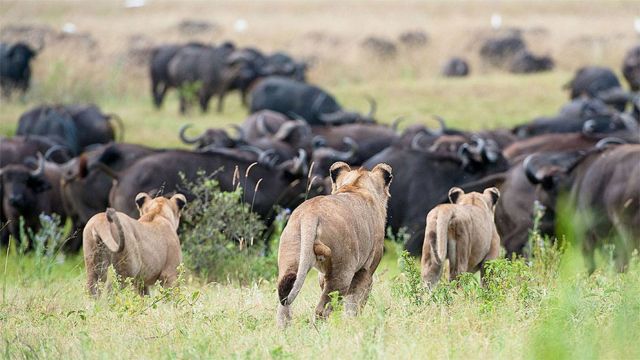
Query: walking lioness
[[341, 234], [147, 249], [463, 232]]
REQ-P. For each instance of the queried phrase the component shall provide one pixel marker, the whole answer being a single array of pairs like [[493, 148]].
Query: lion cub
[[341, 235], [147, 249], [463, 232]]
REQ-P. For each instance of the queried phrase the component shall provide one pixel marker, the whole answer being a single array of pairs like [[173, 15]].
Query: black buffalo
[[603, 185], [631, 68], [15, 67], [264, 187], [455, 67], [27, 193], [75, 127], [297, 99], [422, 179]]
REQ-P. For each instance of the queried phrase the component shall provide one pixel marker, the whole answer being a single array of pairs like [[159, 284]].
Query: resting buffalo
[[524, 62], [264, 187], [260, 124], [455, 67], [18, 148], [87, 180], [631, 68], [75, 127], [499, 51], [27, 193], [15, 67], [297, 99], [210, 138], [422, 179], [159, 70], [604, 189]]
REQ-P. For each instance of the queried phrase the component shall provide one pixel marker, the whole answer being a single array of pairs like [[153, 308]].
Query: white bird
[[69, 28], [636, 25], [496, 21], [134, 3], [240, 25]]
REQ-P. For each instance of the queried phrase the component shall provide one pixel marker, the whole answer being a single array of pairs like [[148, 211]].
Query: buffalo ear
[[38, 184], [83, 170], [494, 193], [180, 201], [141, 198], [336, 169], [387, 175], [454, 194]]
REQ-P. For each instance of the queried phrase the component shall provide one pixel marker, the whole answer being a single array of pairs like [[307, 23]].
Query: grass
[[532, 314], [547, 309]]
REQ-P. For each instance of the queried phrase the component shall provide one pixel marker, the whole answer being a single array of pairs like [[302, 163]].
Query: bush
[[222, 239]]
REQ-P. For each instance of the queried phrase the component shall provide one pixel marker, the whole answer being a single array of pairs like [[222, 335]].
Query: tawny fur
[[463, 232], [341, 235], [147, 249]]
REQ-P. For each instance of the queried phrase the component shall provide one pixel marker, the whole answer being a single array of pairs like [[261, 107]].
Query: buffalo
[[524, 62], [603, 184], [15, 67], [597, 82], [499, 51], [297, 99], [74, 127], [87, 180], [631, 68], [27, 193], [18, 148], [421, 179], [159, 70], [263, 186], [455, 67]]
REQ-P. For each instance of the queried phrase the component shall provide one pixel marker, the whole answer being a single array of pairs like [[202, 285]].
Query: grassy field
[[548, 308]]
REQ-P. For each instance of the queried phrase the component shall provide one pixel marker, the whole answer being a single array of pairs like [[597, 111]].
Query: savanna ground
[[545, 308]]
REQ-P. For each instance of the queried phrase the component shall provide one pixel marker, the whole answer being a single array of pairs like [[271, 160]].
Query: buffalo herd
[[66, 159]]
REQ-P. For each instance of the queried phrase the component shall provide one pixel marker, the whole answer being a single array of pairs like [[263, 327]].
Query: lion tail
[[308, 233], [439, 239], [116, 243]]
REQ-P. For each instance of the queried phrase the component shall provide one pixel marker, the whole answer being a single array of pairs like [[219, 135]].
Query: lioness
[[147, 249], [463, 232], [341, 234]]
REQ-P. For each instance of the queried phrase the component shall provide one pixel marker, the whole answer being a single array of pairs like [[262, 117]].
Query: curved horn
[[261, 126], [441, 123], [240, 131], [415, 142], [346, 155], [462, 150], [252, 149], [589, 127], [319, 141], [609, 141], [40, 169], [396, 122], [481, 144], [529, 172], [185, 139], [52, 150], [332, 118], [373, 106], [120, 123], [268, 157]]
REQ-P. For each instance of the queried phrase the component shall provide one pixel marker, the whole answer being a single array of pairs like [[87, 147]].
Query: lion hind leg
[[358, 292]]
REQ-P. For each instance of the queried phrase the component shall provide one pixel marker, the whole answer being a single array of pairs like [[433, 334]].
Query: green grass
[[531, 314]]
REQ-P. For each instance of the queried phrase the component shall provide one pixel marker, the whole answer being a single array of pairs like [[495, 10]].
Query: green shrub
[[408, 284], [222, 239]]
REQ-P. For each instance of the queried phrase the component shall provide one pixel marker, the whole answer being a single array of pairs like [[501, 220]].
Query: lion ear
[[141, 198], [180, 201], [387, 175], [494, 193], [336, 169], [454, 194]]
